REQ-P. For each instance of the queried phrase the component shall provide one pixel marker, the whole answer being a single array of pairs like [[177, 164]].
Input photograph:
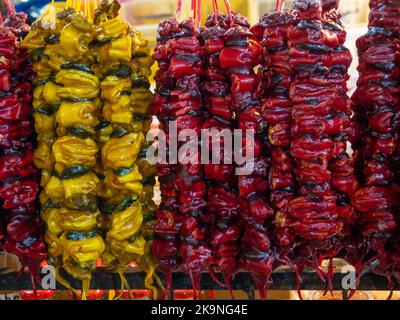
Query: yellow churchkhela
[[126, 189], [91, 95]]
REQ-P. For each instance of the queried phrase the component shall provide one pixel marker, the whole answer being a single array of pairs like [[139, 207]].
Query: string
[[78, 5], [95, 4], [279, 5], [179, 8], [216, 11], [198, 13], [85, 4], [10, 7], [216, 5], [192, 12], [229, 10]]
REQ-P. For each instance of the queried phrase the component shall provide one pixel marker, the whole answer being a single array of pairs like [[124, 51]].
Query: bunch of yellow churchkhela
[[126, 190], [66, 103]]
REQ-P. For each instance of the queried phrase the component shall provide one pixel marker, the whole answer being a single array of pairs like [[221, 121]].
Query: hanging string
[[87, 8], [215, 3], [178, 8], [78, 4], [215, 10], [10, 7], [192, 10], [1, 18], [229, 10], [95, 5], [198, 13], [89, 11], [279, 5]]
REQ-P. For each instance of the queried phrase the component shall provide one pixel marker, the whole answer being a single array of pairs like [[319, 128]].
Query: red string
[[215, 11], [178, 8], [198, 13], [279, 5], [216, 5], [229, 10], [1, 18], [193, 10], [10, 7]]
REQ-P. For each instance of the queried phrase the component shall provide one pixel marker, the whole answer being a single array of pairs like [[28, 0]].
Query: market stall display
[[323, 182]]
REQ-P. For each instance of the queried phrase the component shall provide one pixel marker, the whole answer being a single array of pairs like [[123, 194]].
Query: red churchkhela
[[321, 126], [238, 59], [311, 176], [376, 103], [222, 198], [276, 106], [181, 219], [21, 231], [306, 199], [344, 180]]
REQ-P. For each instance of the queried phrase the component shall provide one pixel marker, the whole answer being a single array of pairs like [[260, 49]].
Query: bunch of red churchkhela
[[22, 232], [320, 121], [376, 104], [238, 59], [222, 198], [276, 106], [181, 219], [168, 220]]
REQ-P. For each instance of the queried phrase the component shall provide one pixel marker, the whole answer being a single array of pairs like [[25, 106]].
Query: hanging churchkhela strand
[[276, 106], [186, 66], [168, 220], [21, 231], [125, 64], [66, 100], [181, 218], [238, 59], [120, 144], [343, 178], [376, 102], [222, 196], [319, 116], [141, 99]]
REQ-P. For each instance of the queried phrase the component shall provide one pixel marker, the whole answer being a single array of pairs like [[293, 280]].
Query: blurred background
[[146, 14]]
